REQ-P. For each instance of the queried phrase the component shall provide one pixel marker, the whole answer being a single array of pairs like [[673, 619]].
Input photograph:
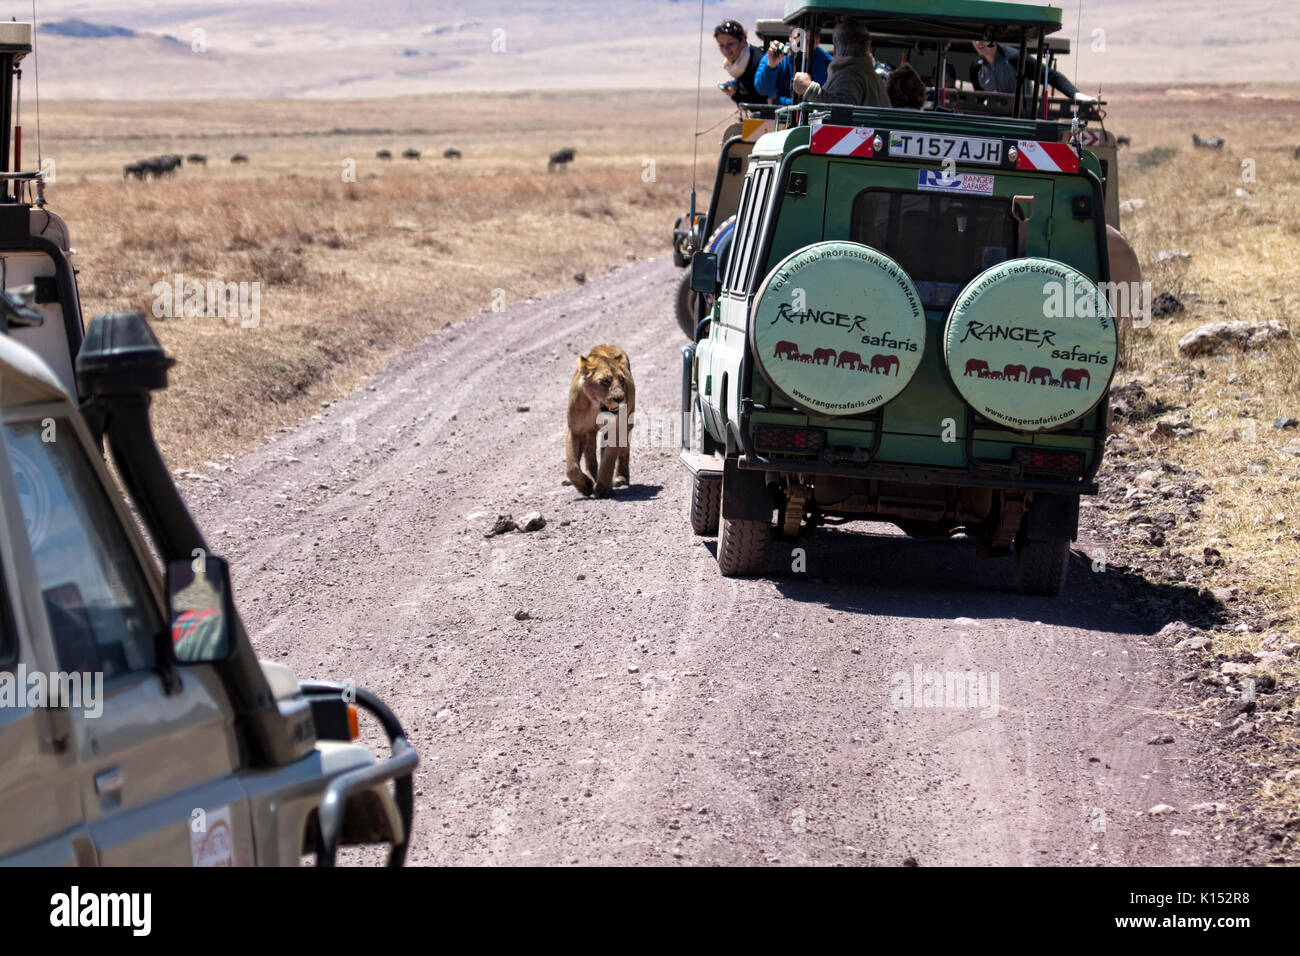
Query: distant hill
[[84, 29], [206, 49]]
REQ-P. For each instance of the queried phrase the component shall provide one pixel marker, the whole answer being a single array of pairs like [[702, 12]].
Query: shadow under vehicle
[[137, 726]]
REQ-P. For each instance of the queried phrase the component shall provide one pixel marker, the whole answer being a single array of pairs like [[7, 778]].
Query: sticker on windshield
[[211, 840], [945, 181], [33, 498]]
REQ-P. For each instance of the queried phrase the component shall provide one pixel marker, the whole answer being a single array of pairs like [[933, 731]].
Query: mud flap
[[745, 495], [1053, 517]]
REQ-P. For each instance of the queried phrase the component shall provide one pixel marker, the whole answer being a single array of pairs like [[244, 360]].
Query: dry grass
[[1244, 265], [350, 272]]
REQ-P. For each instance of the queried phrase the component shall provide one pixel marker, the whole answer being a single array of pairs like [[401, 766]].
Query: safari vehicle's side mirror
[[199, 609], [704, 272]]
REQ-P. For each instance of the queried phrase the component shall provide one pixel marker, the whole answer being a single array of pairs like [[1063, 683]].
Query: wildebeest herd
[[156, 167], [387, 154]]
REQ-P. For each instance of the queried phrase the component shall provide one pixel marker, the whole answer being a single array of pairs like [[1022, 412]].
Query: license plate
[[960, 149]]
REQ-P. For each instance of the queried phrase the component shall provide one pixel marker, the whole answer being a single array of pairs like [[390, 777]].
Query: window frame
[[752, 218]]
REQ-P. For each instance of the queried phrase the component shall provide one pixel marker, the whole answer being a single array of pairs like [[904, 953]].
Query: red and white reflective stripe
[[1048, 157], [843, 141], [1089, 137]]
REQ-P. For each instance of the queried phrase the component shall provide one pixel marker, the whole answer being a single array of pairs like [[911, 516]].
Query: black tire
[[706, 493], [687, 299], [742, 547], [1041, 566], [706, 504]]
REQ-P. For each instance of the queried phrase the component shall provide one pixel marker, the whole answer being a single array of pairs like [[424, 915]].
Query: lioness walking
[[602, 400]]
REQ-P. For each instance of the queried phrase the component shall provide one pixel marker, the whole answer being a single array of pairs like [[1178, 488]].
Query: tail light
[[1050, 461], [791, 441]]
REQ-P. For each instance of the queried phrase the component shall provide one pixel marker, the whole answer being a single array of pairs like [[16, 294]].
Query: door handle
[[108, 783]]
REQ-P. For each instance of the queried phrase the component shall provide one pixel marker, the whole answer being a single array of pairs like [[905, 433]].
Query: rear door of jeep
[[943, 232]]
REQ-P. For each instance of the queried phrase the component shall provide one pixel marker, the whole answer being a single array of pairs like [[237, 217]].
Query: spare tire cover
[[1030, 344], [838, 329]]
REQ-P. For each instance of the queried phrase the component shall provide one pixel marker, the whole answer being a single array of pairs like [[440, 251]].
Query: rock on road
[[648, 710]]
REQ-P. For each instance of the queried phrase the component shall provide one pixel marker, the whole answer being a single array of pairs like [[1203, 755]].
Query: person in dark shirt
[[740, 59], [996, 67], [853, 77]]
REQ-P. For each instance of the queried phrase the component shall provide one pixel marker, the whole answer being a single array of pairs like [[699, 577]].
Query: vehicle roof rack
[[839, 114], [948, 19], [15, 43], [773, 29]]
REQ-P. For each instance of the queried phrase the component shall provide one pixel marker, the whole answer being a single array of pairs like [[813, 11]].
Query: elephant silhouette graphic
[[1040, 375], [851, 359], [786, 350], [976, 367], [1015, 372], [883, 363], [1076, 378], [805, 358], [823, 356]]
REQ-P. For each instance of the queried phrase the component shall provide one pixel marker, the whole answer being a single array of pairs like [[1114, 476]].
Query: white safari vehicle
[[136, 724]]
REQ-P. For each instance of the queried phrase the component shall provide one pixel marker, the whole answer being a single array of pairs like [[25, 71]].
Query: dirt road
[[648, 710]]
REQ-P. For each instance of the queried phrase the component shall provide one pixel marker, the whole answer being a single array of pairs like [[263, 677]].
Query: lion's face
[[605, 372]]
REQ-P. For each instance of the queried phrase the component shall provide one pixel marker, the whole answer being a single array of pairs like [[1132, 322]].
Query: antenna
[[695, 137], [36, 69], [1078, 37]]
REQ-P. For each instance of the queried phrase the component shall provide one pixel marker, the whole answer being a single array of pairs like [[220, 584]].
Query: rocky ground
[[1239, 659], [592, 691]]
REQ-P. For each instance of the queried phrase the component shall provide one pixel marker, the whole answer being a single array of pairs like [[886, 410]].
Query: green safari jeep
[[913, 323]]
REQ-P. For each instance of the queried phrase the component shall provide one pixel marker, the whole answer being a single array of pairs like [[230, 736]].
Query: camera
[[728, 85], [781, 49]]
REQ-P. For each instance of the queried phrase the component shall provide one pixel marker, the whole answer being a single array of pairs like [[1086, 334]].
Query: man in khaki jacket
[[853, 78]]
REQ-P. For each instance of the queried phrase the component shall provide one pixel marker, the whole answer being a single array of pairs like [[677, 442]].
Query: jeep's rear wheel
[[742, 542], [706, 504], [1041, 566], [742, 547]]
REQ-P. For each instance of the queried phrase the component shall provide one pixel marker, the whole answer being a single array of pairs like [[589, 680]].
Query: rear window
[[942, 241]]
